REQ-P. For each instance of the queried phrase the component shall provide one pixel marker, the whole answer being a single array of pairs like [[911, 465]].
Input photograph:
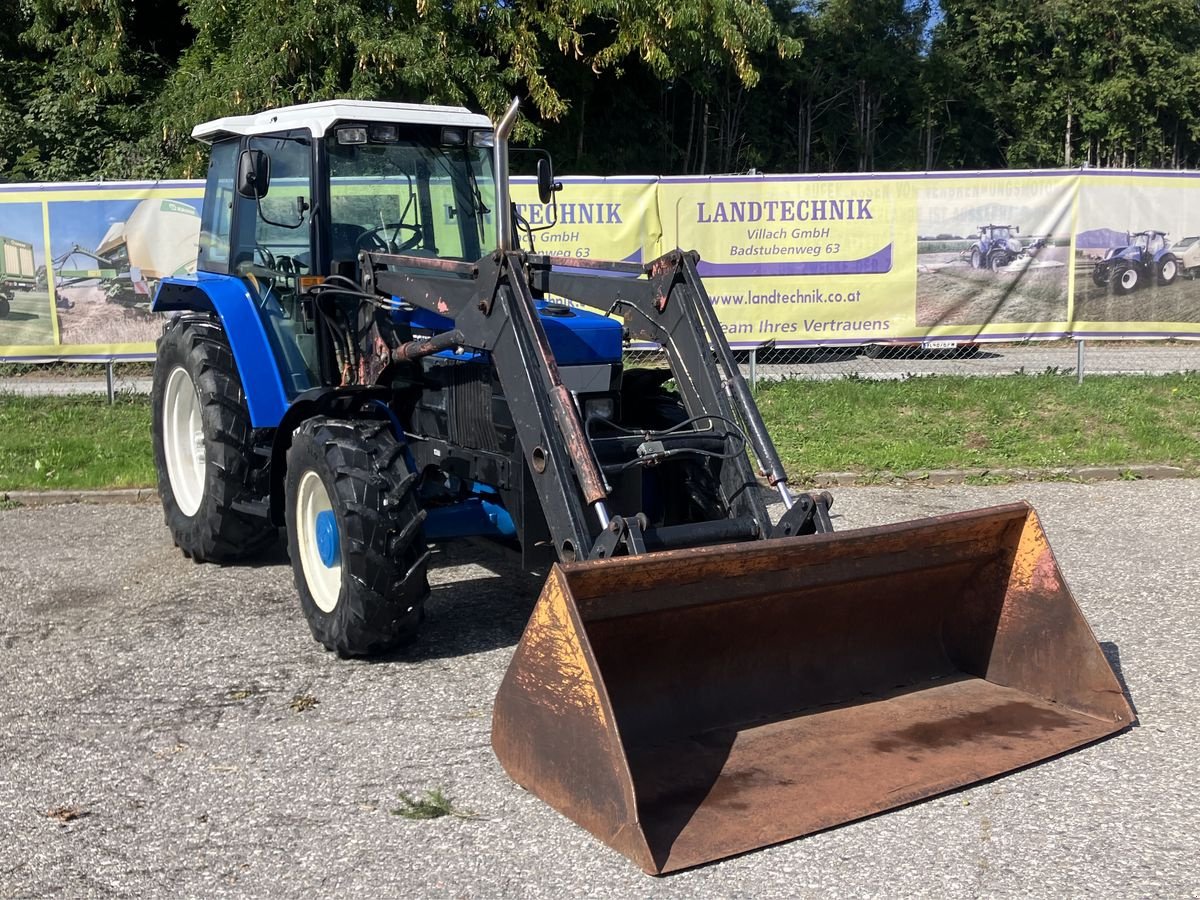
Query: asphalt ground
[[154, 741]]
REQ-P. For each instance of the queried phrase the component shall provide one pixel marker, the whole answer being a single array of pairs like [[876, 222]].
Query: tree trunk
[[687, 156], [582, 120], [704, 141], [928, 139], [1067, 142]]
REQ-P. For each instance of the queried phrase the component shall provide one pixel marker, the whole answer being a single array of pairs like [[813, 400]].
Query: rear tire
[[1168, 269], [355, 536], [203, 447]]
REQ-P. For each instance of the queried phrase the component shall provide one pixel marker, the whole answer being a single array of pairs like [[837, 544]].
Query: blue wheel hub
[[328, 543]]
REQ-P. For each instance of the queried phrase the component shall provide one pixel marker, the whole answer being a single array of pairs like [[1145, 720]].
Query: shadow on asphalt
[[1113, 654]]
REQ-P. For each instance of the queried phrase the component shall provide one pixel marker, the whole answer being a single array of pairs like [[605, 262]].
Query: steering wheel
[[268, 258], [376, 240]]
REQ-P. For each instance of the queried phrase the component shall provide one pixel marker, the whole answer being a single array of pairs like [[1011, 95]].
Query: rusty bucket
[[692, 705]]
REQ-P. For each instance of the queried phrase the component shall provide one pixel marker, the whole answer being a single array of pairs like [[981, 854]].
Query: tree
[[1066, 81], [263, 53]]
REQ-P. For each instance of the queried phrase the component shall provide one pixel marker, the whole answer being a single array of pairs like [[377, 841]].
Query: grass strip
[[873, 428], [952, 422], [75, 443]]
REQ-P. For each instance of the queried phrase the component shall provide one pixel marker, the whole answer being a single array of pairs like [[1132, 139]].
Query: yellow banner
[[97, 252], [798, 260], [593, 218]]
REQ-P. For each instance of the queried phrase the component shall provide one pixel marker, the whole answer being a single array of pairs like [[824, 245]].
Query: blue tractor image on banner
[[1147, 256], [998, 246]]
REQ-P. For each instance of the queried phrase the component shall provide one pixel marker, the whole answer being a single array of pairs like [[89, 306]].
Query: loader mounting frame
[[492, 304]]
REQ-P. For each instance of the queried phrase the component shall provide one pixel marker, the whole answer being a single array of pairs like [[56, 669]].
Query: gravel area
[[170, 729]]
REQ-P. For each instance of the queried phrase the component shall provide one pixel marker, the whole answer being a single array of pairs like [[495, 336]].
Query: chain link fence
[[1075, 359]]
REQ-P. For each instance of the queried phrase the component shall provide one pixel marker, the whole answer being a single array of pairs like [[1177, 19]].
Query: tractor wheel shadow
[[479, 601]]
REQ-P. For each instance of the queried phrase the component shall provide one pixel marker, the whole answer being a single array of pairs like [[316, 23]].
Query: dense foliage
[[111, 88]]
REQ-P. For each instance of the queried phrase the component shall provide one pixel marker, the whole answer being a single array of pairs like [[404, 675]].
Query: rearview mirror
[[254, 174], [545, 180]]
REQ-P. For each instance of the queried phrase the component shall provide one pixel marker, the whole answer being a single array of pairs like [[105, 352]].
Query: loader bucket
[[691, 705]]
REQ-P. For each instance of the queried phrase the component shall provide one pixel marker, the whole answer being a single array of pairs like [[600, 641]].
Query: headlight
[[354, 135], [599, 407]]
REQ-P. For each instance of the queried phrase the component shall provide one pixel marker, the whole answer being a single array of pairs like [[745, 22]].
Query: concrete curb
[[930, 478], [55, 498], [935, 477]]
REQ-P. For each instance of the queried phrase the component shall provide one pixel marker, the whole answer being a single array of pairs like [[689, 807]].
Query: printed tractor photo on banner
[[108, 256], [1137, 251], [25, 319], [994, 251]]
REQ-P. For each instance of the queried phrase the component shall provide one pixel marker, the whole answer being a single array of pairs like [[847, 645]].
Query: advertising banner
[[864, 259], [597, 218], [97, 251], [1137, 246], [797, 260]]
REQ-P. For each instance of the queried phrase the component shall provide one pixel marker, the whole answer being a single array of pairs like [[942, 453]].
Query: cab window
[[280, 241], [216, 222]]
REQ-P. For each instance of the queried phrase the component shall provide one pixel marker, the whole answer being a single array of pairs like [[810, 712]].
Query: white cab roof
[[317, 117]]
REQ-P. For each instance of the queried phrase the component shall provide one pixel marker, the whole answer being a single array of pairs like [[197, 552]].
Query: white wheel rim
[[1128, 278], [1168, 270], [183, 441], [324, 582]]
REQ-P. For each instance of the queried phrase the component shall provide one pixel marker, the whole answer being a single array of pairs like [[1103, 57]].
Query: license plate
[[938, 345]]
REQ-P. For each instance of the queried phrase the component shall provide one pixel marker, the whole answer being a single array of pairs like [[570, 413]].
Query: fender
[[341, 402], [261, 357]]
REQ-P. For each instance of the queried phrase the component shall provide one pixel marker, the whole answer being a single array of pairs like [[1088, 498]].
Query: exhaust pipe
[[504, 224]]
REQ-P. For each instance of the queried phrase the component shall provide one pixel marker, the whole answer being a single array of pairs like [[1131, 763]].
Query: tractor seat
[[344, 238]]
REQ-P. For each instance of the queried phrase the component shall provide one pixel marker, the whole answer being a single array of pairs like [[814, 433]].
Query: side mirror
[[545, 180], [1016, 229], [254, 174]]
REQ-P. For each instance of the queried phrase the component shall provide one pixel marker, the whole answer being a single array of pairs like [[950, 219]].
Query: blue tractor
[[1147, 257], [368, 359], [997, 246]]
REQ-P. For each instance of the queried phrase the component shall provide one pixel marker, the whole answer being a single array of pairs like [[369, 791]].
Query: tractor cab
[[1150, 242], [303, 190]]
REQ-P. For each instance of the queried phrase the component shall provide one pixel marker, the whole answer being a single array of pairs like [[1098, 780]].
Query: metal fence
[[1075, 359], [1071, 359]]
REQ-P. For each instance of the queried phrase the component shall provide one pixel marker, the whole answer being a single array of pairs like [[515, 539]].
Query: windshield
[[999, 234], [411, 196]]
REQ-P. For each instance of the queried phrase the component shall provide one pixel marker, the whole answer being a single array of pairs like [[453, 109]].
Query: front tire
[[355, 536], [976, 258], [1125, 280], [203, 446]]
